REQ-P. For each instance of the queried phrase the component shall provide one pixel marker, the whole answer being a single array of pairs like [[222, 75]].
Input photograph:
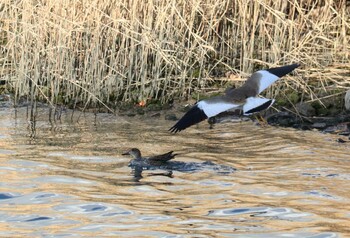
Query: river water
[[67, 178]]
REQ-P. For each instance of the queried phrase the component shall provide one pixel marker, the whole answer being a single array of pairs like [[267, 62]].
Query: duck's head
[[134, 152]]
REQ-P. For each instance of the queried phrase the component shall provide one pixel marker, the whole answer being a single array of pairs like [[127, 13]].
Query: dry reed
[[103, 51]]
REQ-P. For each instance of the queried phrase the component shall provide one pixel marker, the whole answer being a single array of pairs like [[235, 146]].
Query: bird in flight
[[245, 98]]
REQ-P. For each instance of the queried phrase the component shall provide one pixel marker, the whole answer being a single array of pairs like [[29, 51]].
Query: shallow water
[[69, 179]]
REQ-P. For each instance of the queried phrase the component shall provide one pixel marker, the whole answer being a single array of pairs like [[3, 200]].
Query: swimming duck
[[161, 162], [156, 160], [244, 98]]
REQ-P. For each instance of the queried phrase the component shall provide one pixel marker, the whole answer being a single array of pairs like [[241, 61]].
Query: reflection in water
[[169, 167], [137, 173], [71, 179]]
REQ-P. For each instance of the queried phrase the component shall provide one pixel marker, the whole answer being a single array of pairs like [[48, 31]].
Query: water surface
[[68, 178]]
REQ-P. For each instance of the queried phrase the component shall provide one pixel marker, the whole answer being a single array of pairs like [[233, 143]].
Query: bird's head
[[134, 152]]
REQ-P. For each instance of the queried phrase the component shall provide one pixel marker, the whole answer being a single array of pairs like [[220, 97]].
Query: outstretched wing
[[264, 78], [256, 104], [201, 111]]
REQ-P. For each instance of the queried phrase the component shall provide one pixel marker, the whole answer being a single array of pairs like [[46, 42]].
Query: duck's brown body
[[155, 160]]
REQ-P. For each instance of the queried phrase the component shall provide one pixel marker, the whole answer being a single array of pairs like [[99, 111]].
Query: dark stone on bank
[[344, 133], [286, 119], [340, 140], [339, 128], [171, 117], [228, 116], [319, 125], [336, 125], [305, 109]]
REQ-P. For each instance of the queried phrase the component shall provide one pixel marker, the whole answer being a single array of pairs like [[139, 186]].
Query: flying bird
[[245, 98]]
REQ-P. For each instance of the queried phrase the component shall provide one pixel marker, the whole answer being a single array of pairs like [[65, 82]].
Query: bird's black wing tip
[[283, 70], [174, 129], [294, 66], [191, 117]]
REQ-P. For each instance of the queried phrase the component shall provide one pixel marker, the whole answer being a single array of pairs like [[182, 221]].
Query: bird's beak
[[126, 153]]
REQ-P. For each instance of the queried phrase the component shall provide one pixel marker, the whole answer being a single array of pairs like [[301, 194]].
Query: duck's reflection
[[137, 173]]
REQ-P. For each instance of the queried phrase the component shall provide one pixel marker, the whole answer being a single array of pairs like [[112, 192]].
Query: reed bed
[[107, 51]]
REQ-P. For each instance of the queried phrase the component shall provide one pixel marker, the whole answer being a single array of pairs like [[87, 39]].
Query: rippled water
[[70, 179]]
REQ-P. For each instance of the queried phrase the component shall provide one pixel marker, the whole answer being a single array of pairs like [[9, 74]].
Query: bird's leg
[[261, 120]]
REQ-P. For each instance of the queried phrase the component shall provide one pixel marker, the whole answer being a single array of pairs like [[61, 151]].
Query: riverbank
[[335, 121]]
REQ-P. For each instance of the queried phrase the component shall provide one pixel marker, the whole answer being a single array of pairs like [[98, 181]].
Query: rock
[[340, 140], [305, 109], [171, 117], [347, 100], [319, 125], [344, 133], [305, 127], [284, 119], [341, 129], [228, 116]]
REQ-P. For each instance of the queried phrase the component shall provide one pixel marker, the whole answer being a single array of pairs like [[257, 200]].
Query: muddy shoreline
[[335, 121], [338, 124]]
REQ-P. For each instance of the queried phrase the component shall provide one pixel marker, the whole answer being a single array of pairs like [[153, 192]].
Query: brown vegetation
[[102, 51]]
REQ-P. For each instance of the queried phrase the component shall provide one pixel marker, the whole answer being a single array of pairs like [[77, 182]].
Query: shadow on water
[[66, 176]]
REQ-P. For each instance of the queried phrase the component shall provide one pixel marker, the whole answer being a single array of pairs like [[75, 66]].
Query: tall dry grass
[[103, 51]]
